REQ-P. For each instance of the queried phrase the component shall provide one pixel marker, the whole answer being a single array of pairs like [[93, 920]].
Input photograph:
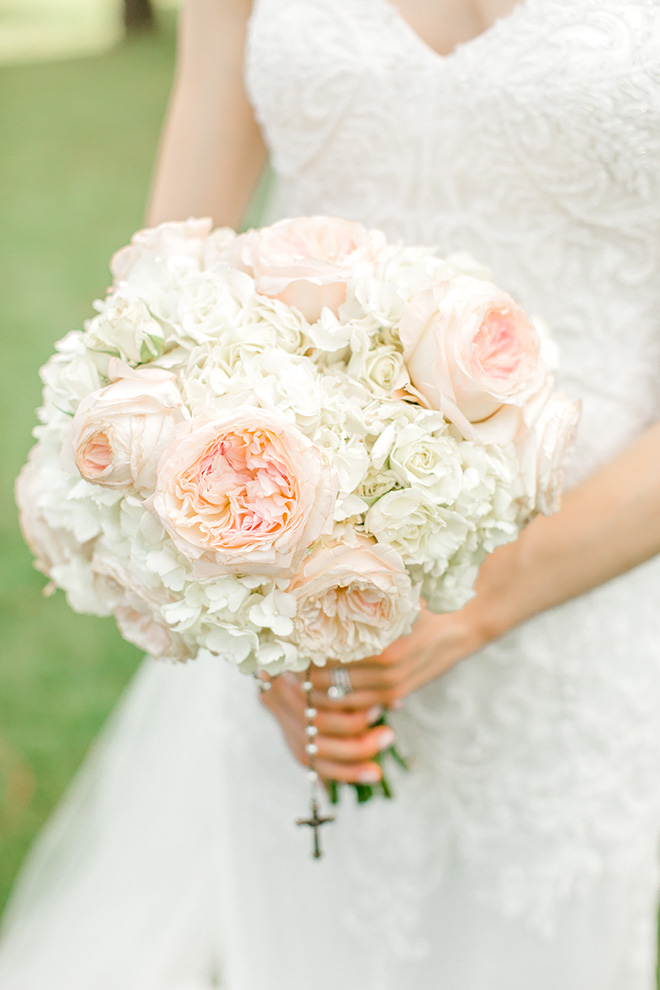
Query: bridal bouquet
[[277, 445]]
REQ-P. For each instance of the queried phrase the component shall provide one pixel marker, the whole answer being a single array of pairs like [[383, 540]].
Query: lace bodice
[[535, 146]]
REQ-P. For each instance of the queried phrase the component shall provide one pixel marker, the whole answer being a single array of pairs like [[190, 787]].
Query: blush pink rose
[[51, 546], [353, 600], [119, 432], [473, 353], [245, 492], [543, 453], [143, 630], [305, 262], [173, 239], [136, 607]]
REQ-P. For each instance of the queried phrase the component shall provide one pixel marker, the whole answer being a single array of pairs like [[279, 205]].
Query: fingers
[[364, 674], [355, 749], [346, 723], [349, 773], [363, 700], [382, 684], [350, 760], [346, 744]]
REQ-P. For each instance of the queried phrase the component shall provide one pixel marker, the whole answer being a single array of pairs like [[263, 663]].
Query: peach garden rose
[[353, 599], [244, 492], [473, 353], [305, 262]]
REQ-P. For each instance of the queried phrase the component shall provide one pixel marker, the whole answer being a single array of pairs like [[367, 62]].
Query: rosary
[[315, 820]]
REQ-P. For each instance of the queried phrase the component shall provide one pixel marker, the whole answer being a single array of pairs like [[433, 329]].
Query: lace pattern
[[537, 147]]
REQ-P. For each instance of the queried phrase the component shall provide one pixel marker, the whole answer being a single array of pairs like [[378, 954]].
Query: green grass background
[[78, 143]]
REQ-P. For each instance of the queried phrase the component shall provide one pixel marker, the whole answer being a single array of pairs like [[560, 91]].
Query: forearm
[[606, 526], [211, 154]]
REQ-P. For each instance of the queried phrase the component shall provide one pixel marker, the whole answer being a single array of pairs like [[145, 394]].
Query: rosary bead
[[311, 730], [307, 685], [311, 749]]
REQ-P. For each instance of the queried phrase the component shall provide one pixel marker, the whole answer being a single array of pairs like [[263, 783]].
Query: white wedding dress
[[522, 850]]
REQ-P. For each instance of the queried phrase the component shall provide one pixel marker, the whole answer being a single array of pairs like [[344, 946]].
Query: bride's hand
[[347, 743], [436, 643]]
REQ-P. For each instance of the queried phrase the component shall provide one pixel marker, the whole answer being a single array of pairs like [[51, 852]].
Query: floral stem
[[365, 792]]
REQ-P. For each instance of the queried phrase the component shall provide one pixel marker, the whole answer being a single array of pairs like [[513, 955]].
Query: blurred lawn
[[78, 144]]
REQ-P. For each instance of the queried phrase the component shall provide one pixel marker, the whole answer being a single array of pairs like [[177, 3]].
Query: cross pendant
[[315, 821]]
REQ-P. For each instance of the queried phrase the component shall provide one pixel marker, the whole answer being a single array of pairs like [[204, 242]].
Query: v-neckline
[[461, 46]]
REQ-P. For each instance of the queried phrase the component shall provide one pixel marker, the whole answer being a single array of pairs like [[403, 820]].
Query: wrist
[[502, 599]]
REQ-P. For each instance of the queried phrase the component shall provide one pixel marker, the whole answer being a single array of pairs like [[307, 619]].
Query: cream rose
[[381, 369], [353, 600], [419, 458], [244, 492], [305, 262], [119, 432], [473, 353], [127, 328]]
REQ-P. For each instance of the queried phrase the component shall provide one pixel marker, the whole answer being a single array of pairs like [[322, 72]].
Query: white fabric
[[521, 851]]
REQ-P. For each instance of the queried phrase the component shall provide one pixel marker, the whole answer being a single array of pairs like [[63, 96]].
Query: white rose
[[278, 324], [377, 482], [382, 369], [127, 329], [426, 461], [212, 302]]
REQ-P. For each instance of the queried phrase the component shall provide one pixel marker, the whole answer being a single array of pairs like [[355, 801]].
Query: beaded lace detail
[[536, 146]]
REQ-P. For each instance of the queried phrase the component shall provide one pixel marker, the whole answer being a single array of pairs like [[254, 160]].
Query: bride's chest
[[582, 77]]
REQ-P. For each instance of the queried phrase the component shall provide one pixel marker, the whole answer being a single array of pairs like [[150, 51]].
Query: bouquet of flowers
[[276, 445]]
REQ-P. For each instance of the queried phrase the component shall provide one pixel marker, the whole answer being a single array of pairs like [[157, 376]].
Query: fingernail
[[386, 738], [374, 714], [394, 706], [370, 776]]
